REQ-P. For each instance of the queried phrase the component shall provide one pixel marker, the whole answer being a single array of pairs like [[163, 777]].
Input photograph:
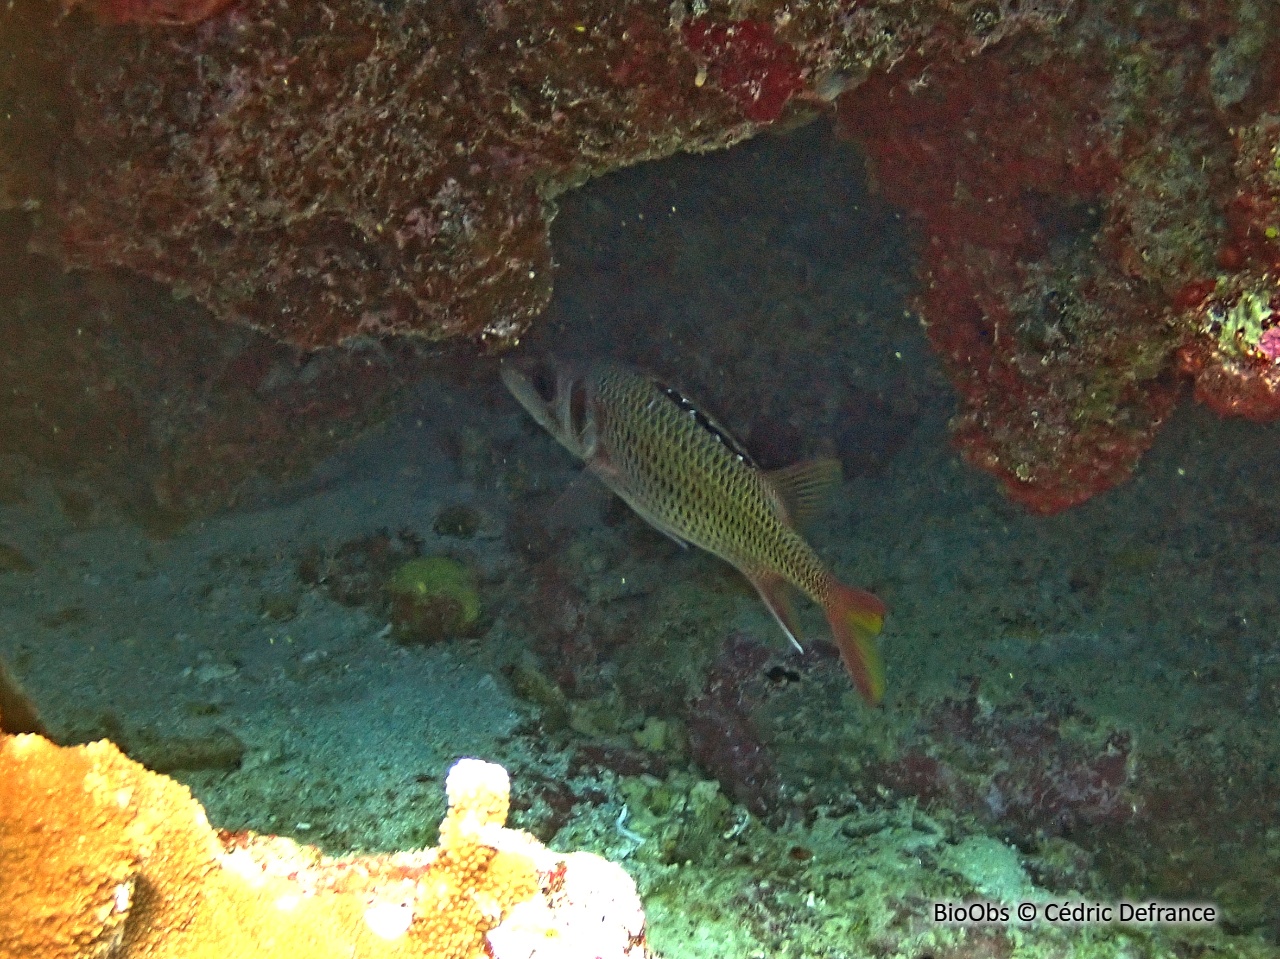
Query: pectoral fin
[[610, 478], [773, 590]]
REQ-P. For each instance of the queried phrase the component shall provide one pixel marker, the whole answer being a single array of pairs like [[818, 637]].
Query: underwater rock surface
[[1079, 707], [199, 523], [1095, 183], [324, 173]]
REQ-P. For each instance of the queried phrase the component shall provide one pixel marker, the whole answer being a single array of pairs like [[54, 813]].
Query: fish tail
[[855, 617]]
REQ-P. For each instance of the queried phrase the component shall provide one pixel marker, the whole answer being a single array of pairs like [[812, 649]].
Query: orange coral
[[473, 883], [100, 857]]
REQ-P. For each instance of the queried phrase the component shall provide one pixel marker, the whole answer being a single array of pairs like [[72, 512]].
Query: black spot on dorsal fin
[[706, 421]]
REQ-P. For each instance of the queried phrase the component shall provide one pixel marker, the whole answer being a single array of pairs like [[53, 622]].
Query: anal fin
[[773, 590]]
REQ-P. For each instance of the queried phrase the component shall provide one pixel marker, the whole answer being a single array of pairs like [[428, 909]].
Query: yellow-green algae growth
[[434, 598]]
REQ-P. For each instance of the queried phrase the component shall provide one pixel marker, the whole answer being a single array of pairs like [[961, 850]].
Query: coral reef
[[1234, 358], [169, 13], [1058, 398], [398, 164], [1081, 198], [1095, 182], [126, 397], [123, 863], [1233, 354]]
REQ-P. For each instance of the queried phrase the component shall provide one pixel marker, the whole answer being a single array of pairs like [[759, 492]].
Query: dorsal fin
[[804, 487], [705, 420]]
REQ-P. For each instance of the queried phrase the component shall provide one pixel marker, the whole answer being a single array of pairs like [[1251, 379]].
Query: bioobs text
[[1076, 913]]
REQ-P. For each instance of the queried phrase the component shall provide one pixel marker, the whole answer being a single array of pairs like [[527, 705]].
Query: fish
[[687, 476]]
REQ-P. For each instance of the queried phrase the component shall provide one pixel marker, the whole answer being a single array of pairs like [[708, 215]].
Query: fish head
[[560, 397]]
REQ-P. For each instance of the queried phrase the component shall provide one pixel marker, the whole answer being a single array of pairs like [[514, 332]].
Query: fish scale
[[700, 486], [687, 476]]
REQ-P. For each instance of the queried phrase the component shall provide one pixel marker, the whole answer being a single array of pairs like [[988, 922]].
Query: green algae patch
[[434, 598]]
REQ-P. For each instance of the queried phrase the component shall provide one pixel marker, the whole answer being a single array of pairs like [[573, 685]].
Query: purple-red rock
[[330, 172], [326, 171]]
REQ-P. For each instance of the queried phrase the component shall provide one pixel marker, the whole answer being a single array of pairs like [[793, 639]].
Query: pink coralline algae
[[171, 13], [1269, 344], [1081, 194], [722, 737], [329, 171], [1021, 772], [1001, 162], [750, 64]]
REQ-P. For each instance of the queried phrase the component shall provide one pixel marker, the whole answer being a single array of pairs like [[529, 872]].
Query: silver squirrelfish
[[686, 475]]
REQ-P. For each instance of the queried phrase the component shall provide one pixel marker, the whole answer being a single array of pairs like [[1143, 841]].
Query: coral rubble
[[722, 738], [1021, 773], [101, 857]]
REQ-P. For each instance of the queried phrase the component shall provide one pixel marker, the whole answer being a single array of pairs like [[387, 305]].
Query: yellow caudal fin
[[855, 618]]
